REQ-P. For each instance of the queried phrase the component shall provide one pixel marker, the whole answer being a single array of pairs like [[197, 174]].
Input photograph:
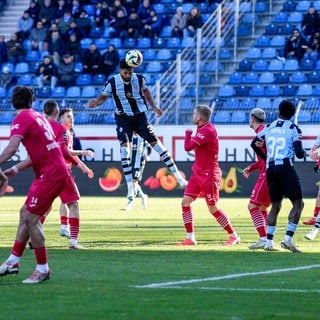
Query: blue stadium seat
[[248, 103], [163, 54], [174, 42], [149, 54], [298, 77], [289, 5], [232, 103], [205, 78], [261, 6], [33, 55], [97, 117], [295, 17], [85, 43], [264, 103], [239, 117], [312, 103], [222, 117], [245, 65], [235, 78], [159, 43], [44, 92], [78, 67], [82, 118], [271, 29], [304, 116], [278, 41], [101, 43], [266, 77], [225, 91], [286, 29], [144, 43], [280, 17], [25, 79], [165, 32], [275, 65], [129, 43], [116, 42], [257, 91], [316, 90], [73, 92], [306, 65], [251, 78], [10, 65], [186, 65], [186, 7], [3, 92], [6, 117], [154, 66], [159, 8], [243, 30], [314, 77], [281, 77], [315, 117], [188, 78], [291, 65], [187, 42], [316, 5], [217, 41], [206, 42], [269, 53], [21, 67], [263, 41], [260, 65], [242, 91], [253, 53], [272, 90], [250, 18], [289, 90], [186, 105], [96, 32], [99, 79], [84, 79], [225, 54], [107, 31], [213, 66], [90, 9], [58, 92], [34, 66], [88, 92], [109, 119]]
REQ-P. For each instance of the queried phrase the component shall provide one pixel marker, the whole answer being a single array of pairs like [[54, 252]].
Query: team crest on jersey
[[15, 126]]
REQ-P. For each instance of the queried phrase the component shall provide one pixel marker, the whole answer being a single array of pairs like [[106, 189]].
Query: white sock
[[191, 236], [43, 268], [13, 259]]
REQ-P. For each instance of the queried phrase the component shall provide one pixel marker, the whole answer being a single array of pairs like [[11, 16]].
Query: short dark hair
[[123, 64], [63, 111], [49, 107], [22, 97], [286, 109]]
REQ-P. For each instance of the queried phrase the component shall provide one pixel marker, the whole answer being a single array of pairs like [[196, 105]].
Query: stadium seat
[[275, 65], [281, 77], [186, 7], [21, 67], [222, 117], [316, 5], [272, 90], [253, 53], [166, 32], [271, 29], [34, 66], [298, 77], [248, 103], [269, 53], [84, 79], [33, 55], [205, 42], [242, 91], [101, 43], [225, 54], [85, 43], [149, 54], [188, 78], [129, 43], [314, 77], [144, 43], [109, 119], [251, 78], [78, 67], [266, 77], [73, 92], [289, 90], [116, 42], [44, 92], [82, 118], [278, 41], [154, 66], [225, 91], [260, 65], [213, 66], [280, 17], [306, 65], [232, 103], [246, 65], [316, 90], [163, 54], [295, 17], [159, 8], [264, 103], [217, 41], [291, 65], [263, 41], [304, 116], [187, 42], [186, 105], [3, 92], [250, 18], [257, 91], [243, 30], [58, 92], [174, 42], [96, 32], [205, 78], [286, 29], [6, 117], [158, 42], [88, 92], [289, 5], [99, 79], [25, 80], [235, 78], [90, 9], [261, 6], [239, 117], [312, 103]]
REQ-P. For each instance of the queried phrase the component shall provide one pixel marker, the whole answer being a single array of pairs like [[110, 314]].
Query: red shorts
[[204, 184], [42, 193], [70, 192], [260, 192]]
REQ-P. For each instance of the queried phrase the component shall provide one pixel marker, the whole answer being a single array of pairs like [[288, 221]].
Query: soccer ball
[[134, 58]]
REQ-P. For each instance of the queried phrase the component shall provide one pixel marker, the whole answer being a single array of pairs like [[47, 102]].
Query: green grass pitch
[[132, 269]]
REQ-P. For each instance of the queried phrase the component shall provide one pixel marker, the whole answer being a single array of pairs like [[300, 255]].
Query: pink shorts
[[204, 184], [42, 193], [260, 192], [70, 192]]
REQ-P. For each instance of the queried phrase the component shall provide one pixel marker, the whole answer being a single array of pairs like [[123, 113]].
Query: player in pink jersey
[[69, 211], [69, 208], [51, 174], [259, 199], [206, 176]]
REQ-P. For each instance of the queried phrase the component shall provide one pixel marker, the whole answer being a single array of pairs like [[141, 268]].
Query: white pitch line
[[229, 276]]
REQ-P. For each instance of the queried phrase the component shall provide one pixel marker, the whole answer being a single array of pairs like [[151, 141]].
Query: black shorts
[[283, 181], [139, 123]]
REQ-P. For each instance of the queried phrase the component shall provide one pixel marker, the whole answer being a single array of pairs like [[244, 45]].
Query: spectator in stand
[[144, 10], [38, 37], [74, 47], [56, 47], [76, 9], [7, 79], [15, 51], [131, 5], [74, 29], [66, 75], [313, 48], [194, 21], [119, 25], [134, 25], [110, 60], [152, 26], [3, 50], [178, 23], [47, 13], [91, 60], [84, 23], [100, 14], [61, 9], [65, 23], [34, 10], [25, 25], [47, 73], [311, 22], [295, 46], [117, 5]]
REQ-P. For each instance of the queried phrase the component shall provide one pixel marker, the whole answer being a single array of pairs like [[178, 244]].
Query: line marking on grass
[[229, 276]]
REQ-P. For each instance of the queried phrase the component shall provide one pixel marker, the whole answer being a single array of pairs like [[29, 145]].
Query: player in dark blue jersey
[[131, 97], [283, 142]]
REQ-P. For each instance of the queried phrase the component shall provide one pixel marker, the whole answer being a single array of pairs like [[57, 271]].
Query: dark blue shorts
[[139, 123]]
